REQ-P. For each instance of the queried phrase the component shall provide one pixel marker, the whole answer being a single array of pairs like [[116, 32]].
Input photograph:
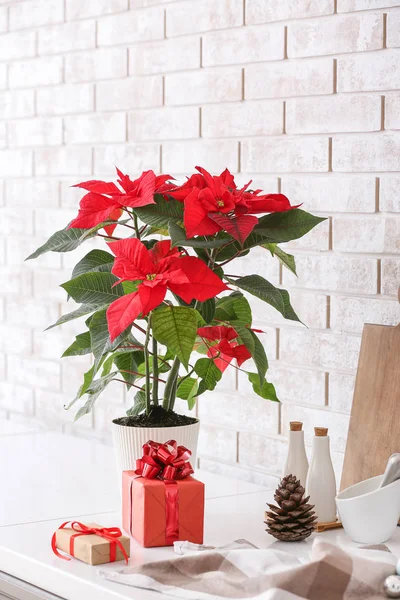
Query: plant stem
[[155, 372], [140, 375], [173, 394], [139, 328], [169, 388], [108, 237], [147, 365], [230, 259], [136, 224], [127, 383], [126, 225]]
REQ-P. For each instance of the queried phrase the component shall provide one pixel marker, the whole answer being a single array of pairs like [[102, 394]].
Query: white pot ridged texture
[[128, 441]]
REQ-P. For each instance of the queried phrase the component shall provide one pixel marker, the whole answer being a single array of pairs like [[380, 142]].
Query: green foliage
[[81, 311], [256, 349], [138, 406], [266, 390], [263, 289], [93, 391], [160, 214], [64, 240], [207, 310], [80, 346], [287, 260], [209, 373], [176, 327], [95, 260], [187, 390], [87, 380], [287, 226], [128, 364], [100, 337], [235, 309], [95, 289], [67, 240], [178, 237], [163, 367]]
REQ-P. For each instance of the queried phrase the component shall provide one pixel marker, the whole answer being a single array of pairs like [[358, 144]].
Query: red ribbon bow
[[111, 534], [168, 462], [164, 461]]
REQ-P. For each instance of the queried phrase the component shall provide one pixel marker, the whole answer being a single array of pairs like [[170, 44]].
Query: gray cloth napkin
[[239, 570]]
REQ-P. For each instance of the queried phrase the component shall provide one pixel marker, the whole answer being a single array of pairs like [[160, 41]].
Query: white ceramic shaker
[[296, 462], [321, 482]]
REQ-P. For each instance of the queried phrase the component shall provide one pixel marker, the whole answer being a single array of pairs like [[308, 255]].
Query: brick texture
[[299, 96]]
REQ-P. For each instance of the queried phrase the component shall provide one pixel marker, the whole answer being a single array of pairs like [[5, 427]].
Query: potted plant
[[162, 312]]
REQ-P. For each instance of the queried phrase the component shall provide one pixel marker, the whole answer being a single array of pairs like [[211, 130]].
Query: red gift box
[[161, 502]]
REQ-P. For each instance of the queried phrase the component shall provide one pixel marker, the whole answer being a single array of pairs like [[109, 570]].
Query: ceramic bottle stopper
[[321, 482], [296, 462]]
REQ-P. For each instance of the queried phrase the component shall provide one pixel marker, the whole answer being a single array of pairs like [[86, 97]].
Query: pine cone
[[294, 519]]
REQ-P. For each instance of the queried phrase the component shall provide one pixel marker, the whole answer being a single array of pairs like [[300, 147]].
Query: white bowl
[[370, 515]]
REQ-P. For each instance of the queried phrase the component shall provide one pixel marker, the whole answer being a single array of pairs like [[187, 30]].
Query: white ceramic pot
[[369, 515], [128, 441]]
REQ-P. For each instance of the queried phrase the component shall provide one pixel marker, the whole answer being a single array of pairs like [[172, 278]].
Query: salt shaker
[[296, 462], [321, 482]]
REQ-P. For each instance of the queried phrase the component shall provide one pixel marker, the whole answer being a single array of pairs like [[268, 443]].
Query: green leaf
[[266, 390], [94, 390], [242, 310], [160, 214], [234, 309], [67, 240], [263, 289], [259, 356], [87, 380], [130, 286], [100, 337], [82, 310], [163, 367], [95, 260], [256, 349], [207, 309], [209, 373], [139, 405], [187, 390], [155, 231], [107, 365], [64, 240], [95, 289], [202, 388], [129, 361], [287, 226], [178, 237], [287, 260], [175, 327], [80, 346]]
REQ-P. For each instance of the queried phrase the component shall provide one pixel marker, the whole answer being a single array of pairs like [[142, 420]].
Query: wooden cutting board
[[374, 432]]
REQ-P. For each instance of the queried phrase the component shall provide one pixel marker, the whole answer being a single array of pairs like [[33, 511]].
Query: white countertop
[[47, 478]]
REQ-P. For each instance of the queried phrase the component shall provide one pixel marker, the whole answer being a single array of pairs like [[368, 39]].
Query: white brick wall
[[301, 96]]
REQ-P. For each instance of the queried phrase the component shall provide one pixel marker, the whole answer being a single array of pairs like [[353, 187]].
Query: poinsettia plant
[[160, 307]]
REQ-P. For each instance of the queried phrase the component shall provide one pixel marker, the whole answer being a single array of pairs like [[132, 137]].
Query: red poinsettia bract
[[214, 203], [105, 200], [227, 347], [160, 269]]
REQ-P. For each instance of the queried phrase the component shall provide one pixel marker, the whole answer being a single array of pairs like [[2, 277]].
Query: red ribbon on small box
[[111, 534], [169, 463]]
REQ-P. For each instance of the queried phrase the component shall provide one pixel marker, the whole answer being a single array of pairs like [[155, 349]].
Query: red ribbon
[[168, 462], [111, 534]]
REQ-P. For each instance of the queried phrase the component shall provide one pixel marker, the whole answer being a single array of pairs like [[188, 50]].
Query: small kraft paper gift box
[[161, 502], [91, 543]]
